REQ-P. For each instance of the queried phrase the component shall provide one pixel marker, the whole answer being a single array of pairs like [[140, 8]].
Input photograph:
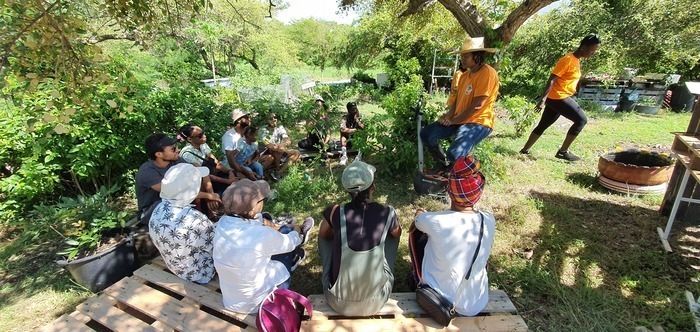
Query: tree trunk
[[517, 17], [474, 24]]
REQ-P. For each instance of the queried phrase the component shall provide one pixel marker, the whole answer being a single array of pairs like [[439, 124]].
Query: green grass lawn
[[572, 256]]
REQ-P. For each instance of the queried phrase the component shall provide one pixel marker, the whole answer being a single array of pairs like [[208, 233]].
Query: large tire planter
[[633, 170], [99, 271]]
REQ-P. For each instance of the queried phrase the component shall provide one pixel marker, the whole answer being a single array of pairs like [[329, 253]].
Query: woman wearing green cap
[[357, 244]]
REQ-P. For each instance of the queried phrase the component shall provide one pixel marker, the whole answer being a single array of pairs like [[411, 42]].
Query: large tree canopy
[[481, 18]]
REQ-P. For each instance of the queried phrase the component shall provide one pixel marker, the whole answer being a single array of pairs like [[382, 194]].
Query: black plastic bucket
[[99, 271]]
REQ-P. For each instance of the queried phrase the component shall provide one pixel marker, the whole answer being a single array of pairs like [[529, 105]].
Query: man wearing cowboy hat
[[449, 249], [241, 120], [470, 116]]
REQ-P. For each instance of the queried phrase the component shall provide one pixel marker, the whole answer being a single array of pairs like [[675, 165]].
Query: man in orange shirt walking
[[470, 114], [557, 98]]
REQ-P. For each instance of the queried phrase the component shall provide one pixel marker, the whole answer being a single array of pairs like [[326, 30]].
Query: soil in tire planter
[[641, 159]]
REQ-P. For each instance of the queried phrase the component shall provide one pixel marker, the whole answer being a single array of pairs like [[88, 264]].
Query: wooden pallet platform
[[404, 304], [402, 313], [154, 299]]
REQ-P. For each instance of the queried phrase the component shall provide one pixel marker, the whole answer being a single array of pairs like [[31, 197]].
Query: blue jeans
[[255, 167], [467, 136], [289, 258]]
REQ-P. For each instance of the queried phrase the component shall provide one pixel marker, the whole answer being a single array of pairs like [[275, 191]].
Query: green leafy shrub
[[389, 140], [83, 220], [590, 106], [301, 190], [67, 144], [521, 111], [363, 77]]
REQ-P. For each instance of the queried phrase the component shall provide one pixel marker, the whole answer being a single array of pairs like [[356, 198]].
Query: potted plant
[[647, 105], [99, 250]]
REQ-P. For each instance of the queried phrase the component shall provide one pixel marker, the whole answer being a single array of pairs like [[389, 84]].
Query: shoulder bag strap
[[196, 155], [478, 246], [476, 253]]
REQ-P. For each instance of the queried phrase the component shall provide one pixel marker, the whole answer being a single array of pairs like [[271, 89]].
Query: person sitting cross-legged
[[246, 154], [183, 235], [449, 249], [277, 142], [357, 243], [349, 124], [252, 255]]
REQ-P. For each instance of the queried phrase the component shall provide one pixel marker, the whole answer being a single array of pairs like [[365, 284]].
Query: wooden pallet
[[154, 299], [402, 313]]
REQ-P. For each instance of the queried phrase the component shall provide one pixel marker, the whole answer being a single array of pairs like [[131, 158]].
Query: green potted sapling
[[99, 250], [647, 105]]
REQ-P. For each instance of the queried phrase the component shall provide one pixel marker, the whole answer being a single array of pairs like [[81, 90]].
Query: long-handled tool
[[424, 183]]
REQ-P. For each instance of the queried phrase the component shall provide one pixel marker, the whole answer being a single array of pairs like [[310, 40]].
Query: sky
[[319, 9], [327, 10]]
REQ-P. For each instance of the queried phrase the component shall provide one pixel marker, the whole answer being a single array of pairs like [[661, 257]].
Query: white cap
[[181, 183]]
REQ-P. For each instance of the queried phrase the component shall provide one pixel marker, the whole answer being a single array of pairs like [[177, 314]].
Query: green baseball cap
[[358, 176]]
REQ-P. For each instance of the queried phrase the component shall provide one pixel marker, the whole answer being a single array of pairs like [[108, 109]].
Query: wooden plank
[[508, 323], [405, 304], [163, 307], [67, 323], [159, 262], [102, 310], [160, 326], [198, 293]]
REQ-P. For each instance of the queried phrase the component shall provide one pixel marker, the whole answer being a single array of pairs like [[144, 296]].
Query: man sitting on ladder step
[[470, 116]]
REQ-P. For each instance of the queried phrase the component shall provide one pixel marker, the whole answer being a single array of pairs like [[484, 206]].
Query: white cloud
[[326, 10]]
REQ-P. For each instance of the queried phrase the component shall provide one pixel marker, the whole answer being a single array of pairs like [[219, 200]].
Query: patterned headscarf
[[466, 183]]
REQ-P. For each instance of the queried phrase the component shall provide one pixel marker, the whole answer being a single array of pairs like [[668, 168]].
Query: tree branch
[[269, 8], [252, 61], [241, 15], [11, 41], [467, 15], [518, 16], [415, 6], [98, 39]]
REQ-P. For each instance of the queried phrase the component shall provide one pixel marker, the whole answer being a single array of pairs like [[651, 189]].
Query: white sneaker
[[343, 160]]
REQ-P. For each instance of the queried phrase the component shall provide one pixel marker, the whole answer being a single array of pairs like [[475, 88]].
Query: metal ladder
[[450, 70]]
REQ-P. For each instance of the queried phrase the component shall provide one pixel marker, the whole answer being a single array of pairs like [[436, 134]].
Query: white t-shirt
[[452, 240], [242, 252], [228, 142], [278, 135]]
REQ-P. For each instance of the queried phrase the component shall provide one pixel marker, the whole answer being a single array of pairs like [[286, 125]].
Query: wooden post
[[687, 212]]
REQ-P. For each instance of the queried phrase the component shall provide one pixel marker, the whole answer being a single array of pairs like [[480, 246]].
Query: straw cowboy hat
[[237, 114], [474, 44]]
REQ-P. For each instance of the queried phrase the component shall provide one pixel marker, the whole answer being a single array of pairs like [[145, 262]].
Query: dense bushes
[[521, 111], [54, 144]]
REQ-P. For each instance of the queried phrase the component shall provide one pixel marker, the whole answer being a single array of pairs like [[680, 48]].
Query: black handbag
[[436, 305]]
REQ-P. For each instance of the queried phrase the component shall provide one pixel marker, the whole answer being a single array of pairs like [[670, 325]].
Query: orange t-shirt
[[454, 85], [568, 72], [471, 85]]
